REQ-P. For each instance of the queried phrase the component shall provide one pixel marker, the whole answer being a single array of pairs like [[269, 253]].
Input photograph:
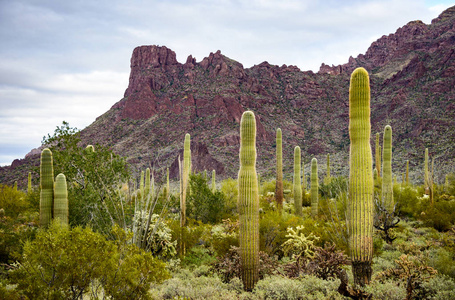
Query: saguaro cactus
[[303, 177], [61, 199], [297, 182], [29, 183], [426, 174], [387, 185], [213, 181], [47, 187], [168, 187], [407, 172], [279, 169], [147, 182], [377, 153], [314, 187], [185, 177], [327, 177], [248, 203], [360, 205]]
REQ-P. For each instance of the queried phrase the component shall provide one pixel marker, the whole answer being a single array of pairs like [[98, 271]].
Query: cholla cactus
[[47, 187], [279, 169], [61, 199], [248, 203], [314, 187], [387, 185], [360, 204], [297, 182]]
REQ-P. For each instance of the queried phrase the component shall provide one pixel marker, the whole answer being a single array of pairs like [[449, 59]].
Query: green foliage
[[225, 235], [12, 201], [203, 204], [63, 263], [92, 179], [230, 190], [406, 201]]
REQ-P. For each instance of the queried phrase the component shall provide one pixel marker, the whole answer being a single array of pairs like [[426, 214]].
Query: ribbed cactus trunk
[[248, 203], [327, 177], [147, 182], [279, 170], [314, 187], [377, 153], [61, 199], [47, 187], [303, 178], [29, 183], [407, 172], [297, 183], [141, 185], [387, 185], [213, 181], [185, 178], [360, 205]]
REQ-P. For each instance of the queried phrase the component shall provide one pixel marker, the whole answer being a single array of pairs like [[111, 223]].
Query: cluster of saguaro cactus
[[248, 202], [297, 183], [314, 187], [279, 169], [61, 199], [387, 185], [360, 204], [53, 196], [47, 187]]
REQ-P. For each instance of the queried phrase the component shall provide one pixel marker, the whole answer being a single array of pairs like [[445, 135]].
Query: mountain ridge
[[412, 75]]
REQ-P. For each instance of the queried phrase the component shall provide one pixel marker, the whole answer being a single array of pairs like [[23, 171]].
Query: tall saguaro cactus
[[47, 187], [248, 203], [297, 182], [279, 169], [387, 185], [147, 182], [213, 181], [185, 177], [314, 187], [377, 153], [360, 205], [61, 199]]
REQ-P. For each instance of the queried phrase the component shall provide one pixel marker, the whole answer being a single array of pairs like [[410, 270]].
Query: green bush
[[389, 290]]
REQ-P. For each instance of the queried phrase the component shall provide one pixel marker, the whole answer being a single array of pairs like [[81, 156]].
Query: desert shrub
[[440, 216], [335, 188], [327, 262], [272, 231], [8, 291], [202, 204], [224, 235], [387, 289], [442, 260], [63, 263], [406, 200], [440, 288], [197, 256], [194, 233], [307, 287], [12, 201], [229, 266], [230, 190]]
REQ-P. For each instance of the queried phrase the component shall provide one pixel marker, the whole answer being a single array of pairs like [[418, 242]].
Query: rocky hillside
[[412, 85]]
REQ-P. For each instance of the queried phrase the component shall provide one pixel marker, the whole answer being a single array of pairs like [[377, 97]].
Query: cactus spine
[[213, 181], [248, 203], [314, 187], [387, 185], [360, 204], [377, 154], [297, 182], [61, 199], [47, 187], [279, 169]]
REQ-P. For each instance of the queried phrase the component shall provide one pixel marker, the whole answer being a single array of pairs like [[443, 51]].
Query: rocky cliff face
[[412, 83]]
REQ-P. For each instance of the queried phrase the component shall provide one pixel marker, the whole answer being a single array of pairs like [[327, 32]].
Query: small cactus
[[297, 182], [314, 187], [248, 203], [47, 187], [61, 199]]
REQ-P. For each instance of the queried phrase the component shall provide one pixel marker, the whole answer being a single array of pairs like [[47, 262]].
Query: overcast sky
[[69, 60]]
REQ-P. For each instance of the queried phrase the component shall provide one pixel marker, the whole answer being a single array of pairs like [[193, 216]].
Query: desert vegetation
[[101, 230]]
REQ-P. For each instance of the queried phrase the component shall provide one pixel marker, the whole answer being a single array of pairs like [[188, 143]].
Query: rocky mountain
[[412, 76]]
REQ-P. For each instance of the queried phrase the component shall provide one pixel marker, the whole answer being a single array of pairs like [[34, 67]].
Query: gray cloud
[[69, 60]]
